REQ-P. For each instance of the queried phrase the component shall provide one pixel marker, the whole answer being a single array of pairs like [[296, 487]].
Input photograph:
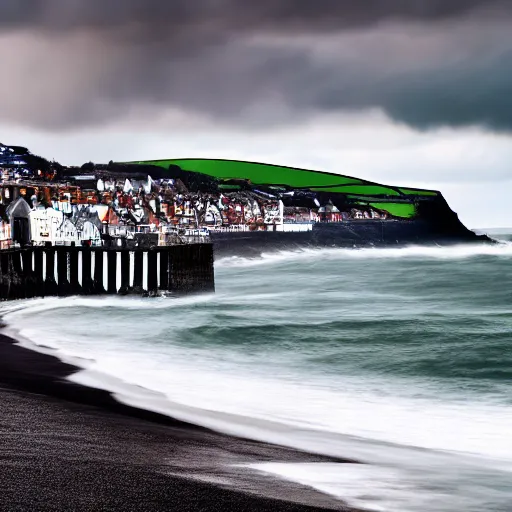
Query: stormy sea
[[397, 359]]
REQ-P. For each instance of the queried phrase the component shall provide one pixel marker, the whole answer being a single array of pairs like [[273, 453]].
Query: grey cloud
[[425, 63], [227, 14]]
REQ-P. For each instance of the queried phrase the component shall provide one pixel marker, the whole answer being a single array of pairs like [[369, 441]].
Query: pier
[[30, 271]]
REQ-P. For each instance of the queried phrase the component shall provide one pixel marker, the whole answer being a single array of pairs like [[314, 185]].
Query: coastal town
[[43, 203]]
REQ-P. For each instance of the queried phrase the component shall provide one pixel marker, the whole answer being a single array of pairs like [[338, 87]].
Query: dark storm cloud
[[234, 14], [75, 62]]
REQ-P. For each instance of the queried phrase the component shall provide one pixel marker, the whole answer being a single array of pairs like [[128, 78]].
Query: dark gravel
[[68, 447]]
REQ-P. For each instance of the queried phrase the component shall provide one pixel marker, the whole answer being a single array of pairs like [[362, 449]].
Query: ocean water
[[399, 358]]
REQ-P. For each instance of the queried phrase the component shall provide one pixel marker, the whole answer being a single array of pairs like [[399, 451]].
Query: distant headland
[[241, 207]]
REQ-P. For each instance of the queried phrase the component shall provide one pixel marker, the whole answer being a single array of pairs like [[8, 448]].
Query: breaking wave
[[502, 249]]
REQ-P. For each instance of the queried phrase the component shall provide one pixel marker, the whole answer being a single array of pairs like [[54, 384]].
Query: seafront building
[[42, 203], [43, 207]]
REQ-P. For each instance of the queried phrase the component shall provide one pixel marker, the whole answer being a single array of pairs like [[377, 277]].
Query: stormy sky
[[399, 91]]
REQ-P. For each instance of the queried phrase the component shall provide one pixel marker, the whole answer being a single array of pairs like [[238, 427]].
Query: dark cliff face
[[444, 220]]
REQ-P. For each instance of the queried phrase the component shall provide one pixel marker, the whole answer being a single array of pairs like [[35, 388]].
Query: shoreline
[[68, 446]]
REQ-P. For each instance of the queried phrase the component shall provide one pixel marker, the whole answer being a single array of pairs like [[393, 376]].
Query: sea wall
[[63, 270]]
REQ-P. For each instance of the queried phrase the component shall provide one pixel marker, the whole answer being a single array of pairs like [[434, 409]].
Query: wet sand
[[69, 447]]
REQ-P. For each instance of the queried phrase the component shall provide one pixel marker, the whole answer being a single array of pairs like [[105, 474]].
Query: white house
[[49, 225]]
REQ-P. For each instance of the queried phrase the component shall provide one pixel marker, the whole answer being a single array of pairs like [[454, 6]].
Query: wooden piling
[[125, 273], [112, 271], [74, 270], [98, 272], [64, 288], [152, 272], [50, 285], [138, 271], [87, 287], [164, 269]]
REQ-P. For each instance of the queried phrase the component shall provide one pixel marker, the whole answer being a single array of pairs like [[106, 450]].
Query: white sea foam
[[353, 424], [405, 442], [374, 487], [463, 251], [426, 449]]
